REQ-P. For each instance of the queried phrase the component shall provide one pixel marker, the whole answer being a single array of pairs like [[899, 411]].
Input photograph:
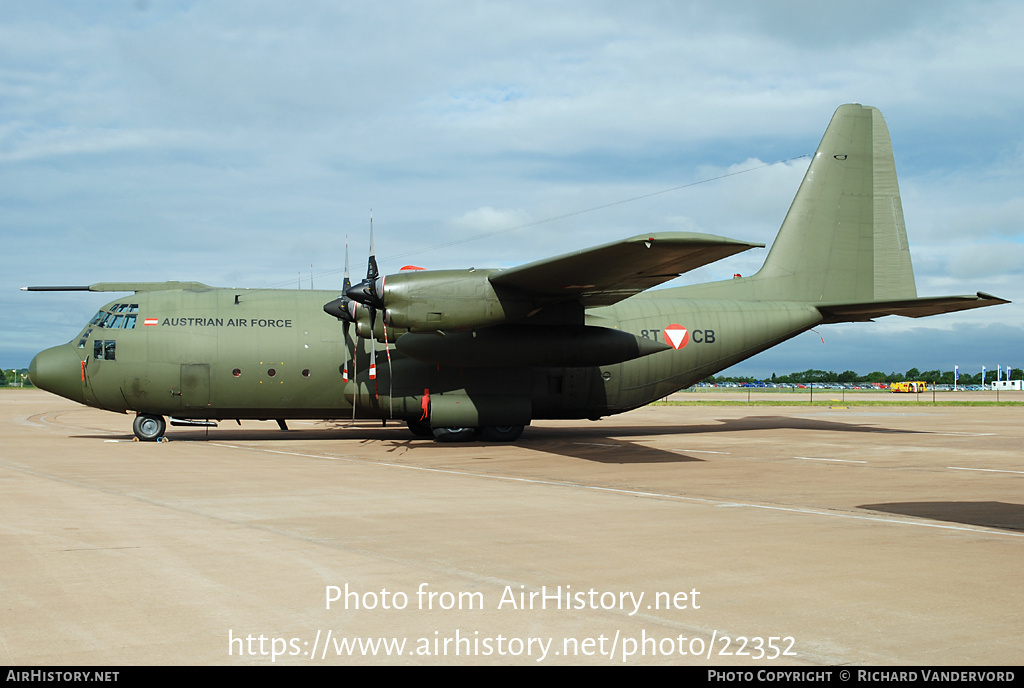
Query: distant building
[[1008, 384]]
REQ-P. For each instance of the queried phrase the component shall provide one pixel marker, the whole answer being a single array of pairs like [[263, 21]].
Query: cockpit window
[[116, 318]]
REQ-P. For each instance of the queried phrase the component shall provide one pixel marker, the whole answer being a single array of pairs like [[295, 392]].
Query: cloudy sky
[[238, 144]]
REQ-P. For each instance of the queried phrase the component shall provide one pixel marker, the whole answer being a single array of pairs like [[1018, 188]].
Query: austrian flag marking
[[677, 335], [151, 321]]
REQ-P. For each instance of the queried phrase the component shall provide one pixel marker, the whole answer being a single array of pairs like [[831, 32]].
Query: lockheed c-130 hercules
[[488, 351]]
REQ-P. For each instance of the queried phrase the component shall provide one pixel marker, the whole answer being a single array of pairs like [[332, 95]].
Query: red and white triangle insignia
[[677, 335]]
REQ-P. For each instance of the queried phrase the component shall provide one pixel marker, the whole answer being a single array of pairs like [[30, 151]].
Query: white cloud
[[485, 220]]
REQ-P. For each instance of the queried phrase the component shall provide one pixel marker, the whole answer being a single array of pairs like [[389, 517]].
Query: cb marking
[[696, 336]]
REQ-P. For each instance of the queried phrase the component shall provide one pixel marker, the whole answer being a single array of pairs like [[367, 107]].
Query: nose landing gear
[[149, 428]]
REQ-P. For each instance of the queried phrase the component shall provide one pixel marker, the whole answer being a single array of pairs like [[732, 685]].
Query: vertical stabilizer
[[844, 238]]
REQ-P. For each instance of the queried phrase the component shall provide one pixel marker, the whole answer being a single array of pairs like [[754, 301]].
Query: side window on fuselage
[[104, 349]]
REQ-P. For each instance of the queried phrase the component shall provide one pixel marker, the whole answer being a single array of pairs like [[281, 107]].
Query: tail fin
[[844, 239], [843, 245]]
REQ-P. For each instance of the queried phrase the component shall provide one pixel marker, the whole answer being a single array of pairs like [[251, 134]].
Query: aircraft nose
[[58, 370]]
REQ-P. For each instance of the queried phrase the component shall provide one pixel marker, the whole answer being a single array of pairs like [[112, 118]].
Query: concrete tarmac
[[670, 535]]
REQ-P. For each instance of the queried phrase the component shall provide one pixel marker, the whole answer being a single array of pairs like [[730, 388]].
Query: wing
[[128, 286], [606, 274]]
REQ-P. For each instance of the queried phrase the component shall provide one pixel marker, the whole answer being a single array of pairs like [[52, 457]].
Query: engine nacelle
[[448, 300], [379, 327]]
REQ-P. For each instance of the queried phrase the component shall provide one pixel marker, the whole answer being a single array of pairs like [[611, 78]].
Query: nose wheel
[[149, 428]]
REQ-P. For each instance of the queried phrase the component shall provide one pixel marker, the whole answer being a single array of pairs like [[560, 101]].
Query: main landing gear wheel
[[453, 434], [420, 428], [149, 428], [503, 433]]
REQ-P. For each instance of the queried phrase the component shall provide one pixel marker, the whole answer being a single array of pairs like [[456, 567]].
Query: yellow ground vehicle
[[916, 386]]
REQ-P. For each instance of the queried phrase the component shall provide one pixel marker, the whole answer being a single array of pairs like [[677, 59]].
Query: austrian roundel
[[677, 335]]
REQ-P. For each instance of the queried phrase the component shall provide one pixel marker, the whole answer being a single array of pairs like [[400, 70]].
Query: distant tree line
[[937, 377], [12, 376]]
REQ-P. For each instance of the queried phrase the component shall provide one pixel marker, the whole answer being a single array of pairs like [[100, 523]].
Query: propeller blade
[[345, 286], [355, 378], [369, 292], [344, 368], [343, 308], [371, 266], [347, 282], [391, 377], [373, 347]]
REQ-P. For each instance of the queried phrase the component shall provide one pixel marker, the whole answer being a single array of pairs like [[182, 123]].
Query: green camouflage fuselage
[[224, 353]]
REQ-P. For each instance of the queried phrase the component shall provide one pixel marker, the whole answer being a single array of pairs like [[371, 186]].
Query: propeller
[[370, 292], [344, 309]]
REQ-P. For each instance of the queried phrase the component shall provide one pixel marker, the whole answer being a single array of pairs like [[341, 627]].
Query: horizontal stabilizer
[[910, 308], [607, 274]]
